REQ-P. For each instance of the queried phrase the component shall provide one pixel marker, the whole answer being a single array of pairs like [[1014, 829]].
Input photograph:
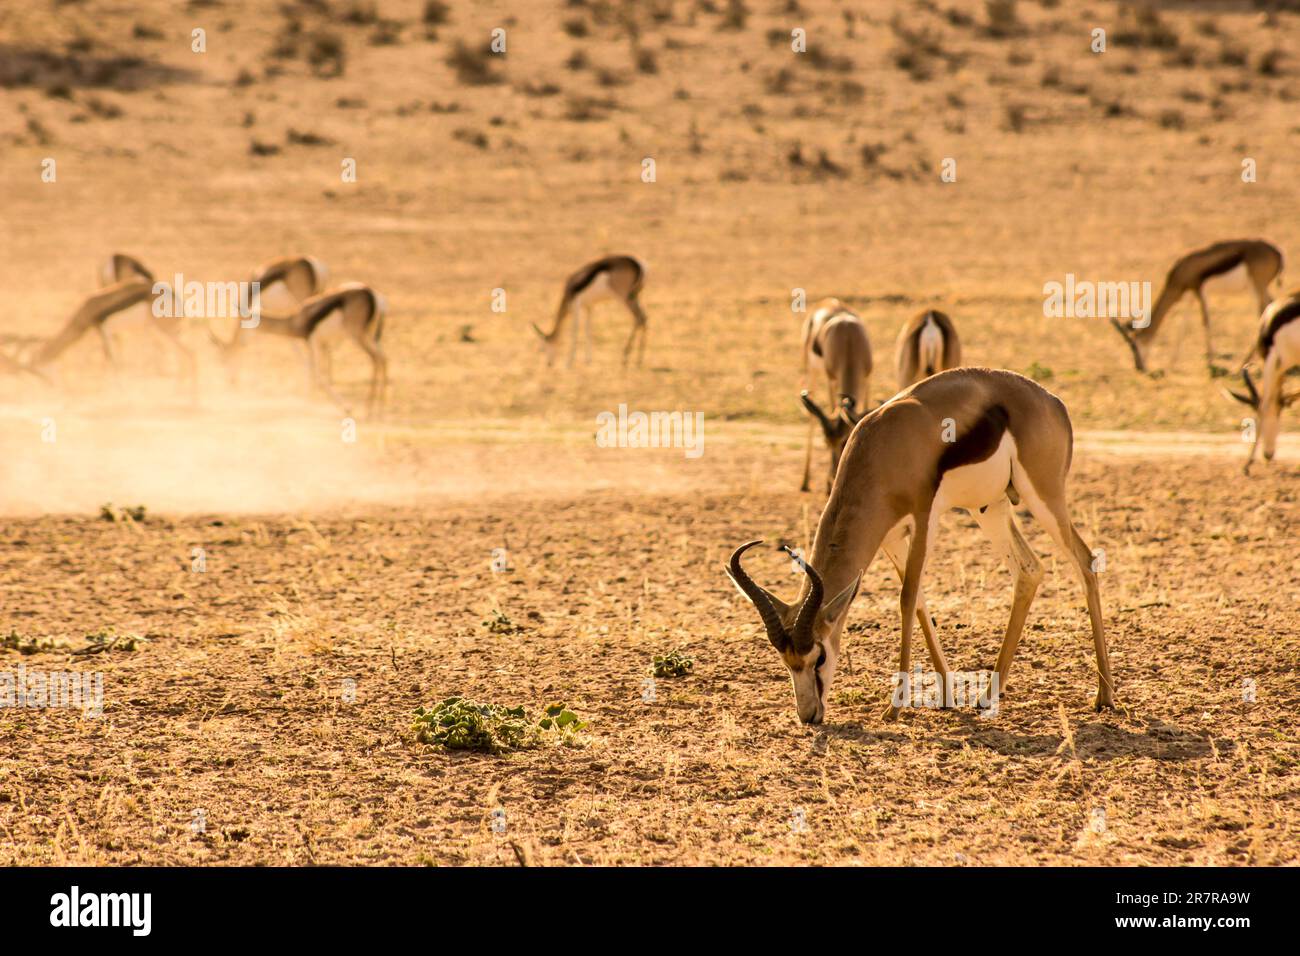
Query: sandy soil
[[348, 561]]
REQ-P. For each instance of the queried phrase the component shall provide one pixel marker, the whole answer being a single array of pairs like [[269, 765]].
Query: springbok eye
[[821, 659]]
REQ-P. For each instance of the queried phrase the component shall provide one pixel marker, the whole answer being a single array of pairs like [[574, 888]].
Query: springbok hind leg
[[998, 523], [1205, 325], [1052, 513]]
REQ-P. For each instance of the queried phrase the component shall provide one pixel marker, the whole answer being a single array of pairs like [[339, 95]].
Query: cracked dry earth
[[232, 701]]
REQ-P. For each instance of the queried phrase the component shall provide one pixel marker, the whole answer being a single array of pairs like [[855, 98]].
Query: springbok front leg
[[998, 522], [907, 601], [807, 458], [895, 549], [1205, 324]]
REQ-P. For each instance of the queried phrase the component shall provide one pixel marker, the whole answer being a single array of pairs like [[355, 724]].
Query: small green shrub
[[675, 664], [462, 724]]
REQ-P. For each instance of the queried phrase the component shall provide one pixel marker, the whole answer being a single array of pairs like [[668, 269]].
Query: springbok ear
[[849, 413], [837, 605]]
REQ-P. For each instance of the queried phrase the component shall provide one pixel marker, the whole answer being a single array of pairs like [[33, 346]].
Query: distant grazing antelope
[[120, 267], [927, 344], [300, 276], [1011, 440], [836, 350], [282, 286], [620, 278], [1279, 345], [111, 308], [351, 311], [1261, 260]]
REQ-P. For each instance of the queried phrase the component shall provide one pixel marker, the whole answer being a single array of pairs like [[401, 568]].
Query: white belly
[[598, 290], [329, 330], [980, 484], [1286, 345]]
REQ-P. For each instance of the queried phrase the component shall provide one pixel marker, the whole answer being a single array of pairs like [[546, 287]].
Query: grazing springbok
[[1278, 343], [283, 285], [112, 307], [927, 344], [615, 277], [300, 276], [1261, 260], [836, 349], [120, 267], [352, 311], [970, 438]]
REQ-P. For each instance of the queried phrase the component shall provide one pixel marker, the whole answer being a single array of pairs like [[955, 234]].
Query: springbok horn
[[760, 598], [828, 426], [1244, 399], [1138, 361], [801, 637]]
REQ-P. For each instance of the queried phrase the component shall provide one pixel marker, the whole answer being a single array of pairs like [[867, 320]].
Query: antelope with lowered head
[[1262, 262], [836, 349], [620, 278], [927, 344], [351, 311], [119, 268], [282, 286], [1011, 440], [114, 306], [1278, 343]]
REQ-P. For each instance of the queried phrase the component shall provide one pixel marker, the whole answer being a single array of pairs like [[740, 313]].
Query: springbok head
[[1131, 340], [548, 344], [1268, 410], [806, 635], [836, 427]]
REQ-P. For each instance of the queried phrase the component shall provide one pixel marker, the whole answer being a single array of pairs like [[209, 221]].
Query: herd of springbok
[[318, 319], [979, 439], [953, 436]]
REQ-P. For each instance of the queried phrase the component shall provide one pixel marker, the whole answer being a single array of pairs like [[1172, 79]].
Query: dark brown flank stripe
[[1288, 313], [1227, 265], [588, 275], [978, 444], [275, 273], [120, 260]]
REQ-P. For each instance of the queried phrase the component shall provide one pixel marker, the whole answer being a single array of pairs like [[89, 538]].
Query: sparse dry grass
[[231, 702]]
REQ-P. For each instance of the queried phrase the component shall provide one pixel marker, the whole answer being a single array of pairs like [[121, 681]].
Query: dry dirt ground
[[270, 696]]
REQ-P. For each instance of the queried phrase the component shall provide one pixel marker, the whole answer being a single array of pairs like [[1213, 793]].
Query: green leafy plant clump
[[459, 723], [675, 664]]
